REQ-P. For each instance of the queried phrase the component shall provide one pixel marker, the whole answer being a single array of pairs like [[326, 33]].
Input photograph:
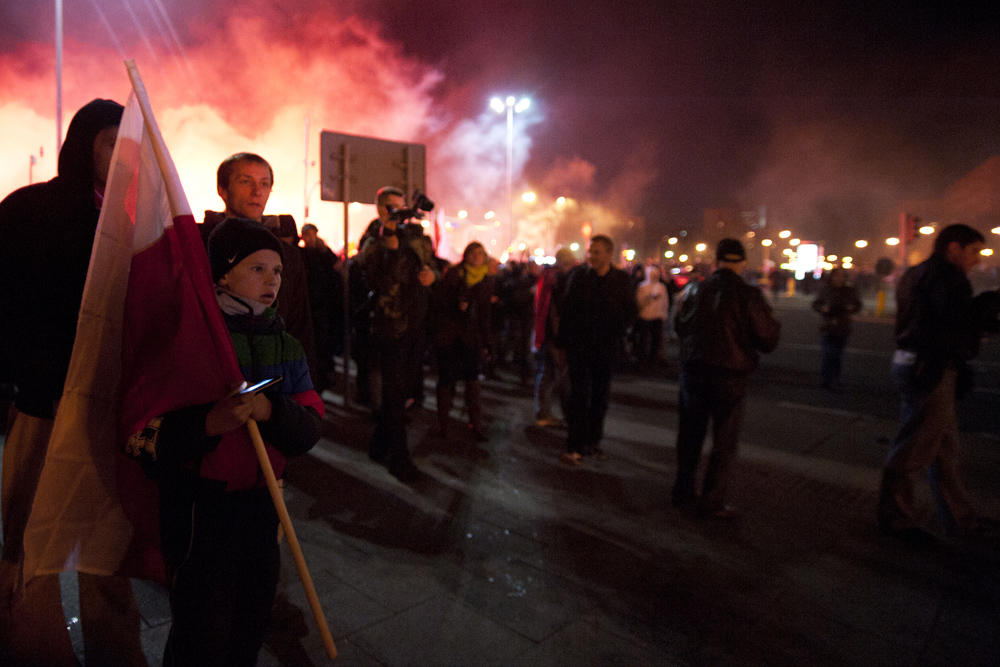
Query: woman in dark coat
[[461, 339], [837, 302]]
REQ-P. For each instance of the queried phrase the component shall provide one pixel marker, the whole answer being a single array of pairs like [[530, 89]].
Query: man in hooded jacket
[[46, 235]]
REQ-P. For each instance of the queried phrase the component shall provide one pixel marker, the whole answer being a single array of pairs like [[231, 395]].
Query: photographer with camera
[[399, 277]]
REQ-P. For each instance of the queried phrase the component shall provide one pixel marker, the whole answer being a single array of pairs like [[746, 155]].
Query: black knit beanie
[[235, 239]]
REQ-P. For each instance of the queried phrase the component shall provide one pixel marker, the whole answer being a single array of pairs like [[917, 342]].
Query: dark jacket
[[837, 305], [469, 327], [46, 235], [724, 322], [938, 319], [596, 310], [398, 302]]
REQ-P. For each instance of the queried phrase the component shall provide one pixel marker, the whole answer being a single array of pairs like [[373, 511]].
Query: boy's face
[[257, 277]]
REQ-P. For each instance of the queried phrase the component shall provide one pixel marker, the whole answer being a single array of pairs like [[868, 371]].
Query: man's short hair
[[388, 191], [605, 239], [226, 168], [963, 235], [310, 227]]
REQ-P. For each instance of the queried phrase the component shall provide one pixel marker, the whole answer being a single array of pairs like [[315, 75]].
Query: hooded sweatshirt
[[46, 235]]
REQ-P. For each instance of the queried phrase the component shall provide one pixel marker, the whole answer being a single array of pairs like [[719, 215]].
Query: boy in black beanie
[[218, 525]]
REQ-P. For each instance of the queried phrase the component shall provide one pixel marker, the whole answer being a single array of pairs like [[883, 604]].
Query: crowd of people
[[561, 329]]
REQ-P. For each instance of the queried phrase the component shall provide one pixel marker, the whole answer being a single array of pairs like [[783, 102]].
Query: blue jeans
[[833, 352]]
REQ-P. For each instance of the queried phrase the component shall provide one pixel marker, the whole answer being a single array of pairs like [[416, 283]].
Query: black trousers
[[590, 372], [222, 560], [391, 373], [708, 392]]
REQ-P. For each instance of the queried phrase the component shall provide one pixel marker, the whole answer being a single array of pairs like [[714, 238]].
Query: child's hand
[[230, 413], [261, 408]]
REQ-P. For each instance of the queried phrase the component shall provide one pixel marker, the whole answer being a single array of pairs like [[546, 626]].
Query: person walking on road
[[837, 302], [598, 306], [722, 323], [938, 327]]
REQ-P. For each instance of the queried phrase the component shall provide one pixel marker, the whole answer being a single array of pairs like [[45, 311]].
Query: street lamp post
[[510, 105]]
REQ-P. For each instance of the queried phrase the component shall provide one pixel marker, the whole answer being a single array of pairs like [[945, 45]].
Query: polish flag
[[150, 338]]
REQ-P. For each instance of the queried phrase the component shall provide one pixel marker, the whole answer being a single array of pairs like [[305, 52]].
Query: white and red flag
[[150, 338]]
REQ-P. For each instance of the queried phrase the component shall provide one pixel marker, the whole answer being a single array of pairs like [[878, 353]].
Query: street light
[[511, 106], [700, 247], [892, 240], [861, 244], [785, 234]]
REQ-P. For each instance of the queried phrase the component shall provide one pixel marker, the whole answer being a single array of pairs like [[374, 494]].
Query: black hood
[[76, 159]]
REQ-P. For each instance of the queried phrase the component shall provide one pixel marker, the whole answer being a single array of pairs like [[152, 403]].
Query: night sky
[[830, 114]]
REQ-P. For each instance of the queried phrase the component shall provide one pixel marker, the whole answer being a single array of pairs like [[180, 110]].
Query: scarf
[[237, 305], [475, 274]]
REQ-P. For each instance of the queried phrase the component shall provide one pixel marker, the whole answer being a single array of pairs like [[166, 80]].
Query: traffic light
[[910, 229]]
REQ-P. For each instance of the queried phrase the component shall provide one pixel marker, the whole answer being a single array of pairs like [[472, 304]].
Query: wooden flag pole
[[293, 542]]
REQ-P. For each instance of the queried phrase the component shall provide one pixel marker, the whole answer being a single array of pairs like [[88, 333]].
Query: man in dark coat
[[398, 275], [46, 235], [938, 327], [597, 308], [722, 323]]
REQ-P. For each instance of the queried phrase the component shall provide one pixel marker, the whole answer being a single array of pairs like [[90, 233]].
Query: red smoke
[[247, 82]]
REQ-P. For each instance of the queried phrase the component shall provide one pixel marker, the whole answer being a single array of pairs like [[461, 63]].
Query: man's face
[[393, 202], [248, 190], [257, 277], [310, 238], [967, 257], [104, 148], [599, 256]]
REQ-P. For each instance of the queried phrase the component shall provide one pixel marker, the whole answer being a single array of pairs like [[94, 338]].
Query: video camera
[[421, 205]]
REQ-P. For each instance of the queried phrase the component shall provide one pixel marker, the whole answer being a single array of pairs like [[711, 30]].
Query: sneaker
[[571, 458]]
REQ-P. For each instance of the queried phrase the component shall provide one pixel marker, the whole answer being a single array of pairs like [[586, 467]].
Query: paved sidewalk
[[502, 555]]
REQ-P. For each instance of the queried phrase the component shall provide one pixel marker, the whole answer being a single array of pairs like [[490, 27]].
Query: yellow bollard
[[880, 303], [791, 287]]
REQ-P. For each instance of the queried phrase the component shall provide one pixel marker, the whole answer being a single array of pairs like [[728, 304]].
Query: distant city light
[[788, 251], [995, 230], [766, 242], [522, 246], [847, 260], [496, 224], [574, 246], [683, 258], [497, 105], [861, 244], [700, 247], [668, 254], [561, 201], [986, 252], [750, 235], [794, 242], [785, 234], [463, 214], [629, 254], [489, 215], [528, 197], [926, 230], [673, 239], [847, 265], [539, 252], [831, 258], [892, 240]]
